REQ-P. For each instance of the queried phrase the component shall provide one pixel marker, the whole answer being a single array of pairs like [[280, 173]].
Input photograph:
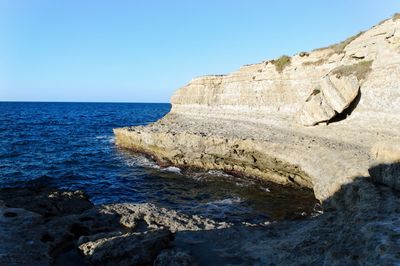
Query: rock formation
[[309, 120], [359, 227], [44, 226]]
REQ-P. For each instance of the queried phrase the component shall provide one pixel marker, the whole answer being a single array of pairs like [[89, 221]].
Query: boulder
[[332, 97]]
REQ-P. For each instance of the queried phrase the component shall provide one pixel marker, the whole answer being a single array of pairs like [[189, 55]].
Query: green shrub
[[360, 70], [315, 63], [281, 63], [338, 48], [396, 16], [316, 91]]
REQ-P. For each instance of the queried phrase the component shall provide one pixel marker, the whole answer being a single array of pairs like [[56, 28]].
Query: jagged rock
[[116, 234], [147, 216], [127, 249], [46, 201], [359, 226]]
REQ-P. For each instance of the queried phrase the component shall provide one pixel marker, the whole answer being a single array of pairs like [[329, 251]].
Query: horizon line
[[2, 101]]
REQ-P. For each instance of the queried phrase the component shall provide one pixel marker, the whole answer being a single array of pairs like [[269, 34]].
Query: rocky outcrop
[[257, 120], [359, 227], [39, 228], [332, 97]]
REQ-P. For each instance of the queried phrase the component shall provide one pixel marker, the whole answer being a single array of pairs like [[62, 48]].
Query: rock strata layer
[[313, 123]]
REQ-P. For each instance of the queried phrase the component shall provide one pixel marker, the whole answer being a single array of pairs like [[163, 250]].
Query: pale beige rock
[[387, 151], [316, 109], [386, 170], [221, 122], [342, 92], [332, 97]]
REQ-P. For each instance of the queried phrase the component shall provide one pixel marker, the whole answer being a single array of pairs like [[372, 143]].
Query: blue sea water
[[71, 146]]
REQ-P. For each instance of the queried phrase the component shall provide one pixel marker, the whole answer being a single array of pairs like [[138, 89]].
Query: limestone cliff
[[308, 120]]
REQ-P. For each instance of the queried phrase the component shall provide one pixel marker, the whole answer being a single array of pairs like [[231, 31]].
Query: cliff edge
[[316, 119]]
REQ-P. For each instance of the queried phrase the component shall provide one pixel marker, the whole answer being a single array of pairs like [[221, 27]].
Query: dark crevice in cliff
[[348, 111]]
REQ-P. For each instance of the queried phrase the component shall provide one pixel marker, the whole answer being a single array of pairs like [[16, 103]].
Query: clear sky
[[141, 51]]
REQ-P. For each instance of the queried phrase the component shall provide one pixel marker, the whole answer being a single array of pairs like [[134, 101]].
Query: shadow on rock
[[359, 226]]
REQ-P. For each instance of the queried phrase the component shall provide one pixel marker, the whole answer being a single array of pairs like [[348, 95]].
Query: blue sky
[[141, 51]]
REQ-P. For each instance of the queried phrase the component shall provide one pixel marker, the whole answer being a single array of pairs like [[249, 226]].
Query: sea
[[71, 146]]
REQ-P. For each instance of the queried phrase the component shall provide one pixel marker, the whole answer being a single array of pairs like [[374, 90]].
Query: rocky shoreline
[[316, 121], [44, 226], [328, 120]]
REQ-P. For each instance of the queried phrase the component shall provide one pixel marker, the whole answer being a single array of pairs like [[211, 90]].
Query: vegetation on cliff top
[[315, 63], [360, 70], [338, 48], [281, 63]]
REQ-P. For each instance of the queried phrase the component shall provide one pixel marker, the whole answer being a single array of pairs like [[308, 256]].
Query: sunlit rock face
[[309, 120], [368, 61]]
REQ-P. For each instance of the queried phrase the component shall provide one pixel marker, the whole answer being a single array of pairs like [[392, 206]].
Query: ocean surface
[[71, 146]]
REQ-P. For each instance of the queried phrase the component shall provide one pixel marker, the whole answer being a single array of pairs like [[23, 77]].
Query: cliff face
[[309, 120], [369, 60]]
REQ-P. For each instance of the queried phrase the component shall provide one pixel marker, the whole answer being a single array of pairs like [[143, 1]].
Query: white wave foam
[[106, 138], [142, 161], [265, 189], [218, 173], [172, 169], [227, 201]]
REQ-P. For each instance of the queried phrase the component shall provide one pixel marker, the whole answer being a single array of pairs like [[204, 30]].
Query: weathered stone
[[341, 92], [316, 109], [248, 121], [332, 97], [127, 249], [359, 226], [147, 216], [386, 170]]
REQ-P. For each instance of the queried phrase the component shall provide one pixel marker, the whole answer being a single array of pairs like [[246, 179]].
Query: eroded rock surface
[[127, 249], [252, 121], [359, 226], [39, 225]]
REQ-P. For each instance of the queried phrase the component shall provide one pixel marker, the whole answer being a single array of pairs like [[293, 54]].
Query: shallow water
[[71, 146]]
